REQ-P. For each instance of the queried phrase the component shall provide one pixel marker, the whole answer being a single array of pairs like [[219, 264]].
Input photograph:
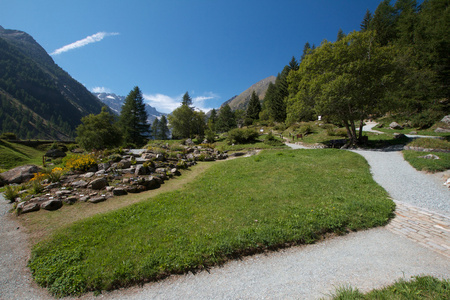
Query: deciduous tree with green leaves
[[346, 80], [98, 131]]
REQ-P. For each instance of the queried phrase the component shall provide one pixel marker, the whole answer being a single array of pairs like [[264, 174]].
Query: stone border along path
[[427, 228]]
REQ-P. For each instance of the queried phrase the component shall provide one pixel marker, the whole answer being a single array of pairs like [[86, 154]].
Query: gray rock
[[140, 170], [175, 172], [70, 200], [20, 174], [63, 192], [100, 173], [84, 198], [97, 199], [124, 164], [79, 184], [88, 175], [152, 183], [98, 184], [55, 153], [53, 204], [395, 125], [104, 166], [30, 208], [446, 119], [161, 170], [119, 192], [443, 130], [430, 156]]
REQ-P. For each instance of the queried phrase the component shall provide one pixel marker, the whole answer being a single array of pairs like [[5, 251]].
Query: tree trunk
[[361, 124]]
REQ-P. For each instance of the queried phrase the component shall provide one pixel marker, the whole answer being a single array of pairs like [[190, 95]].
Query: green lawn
[[13, 155], [236, 207], [430, 165], [421, 287]]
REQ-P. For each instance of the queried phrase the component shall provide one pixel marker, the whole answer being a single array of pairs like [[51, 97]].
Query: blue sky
[[211, 49]]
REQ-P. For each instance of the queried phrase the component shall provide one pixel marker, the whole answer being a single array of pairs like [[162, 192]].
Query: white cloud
[[162, 103], [167, 104], [81, 43], [100, 89]]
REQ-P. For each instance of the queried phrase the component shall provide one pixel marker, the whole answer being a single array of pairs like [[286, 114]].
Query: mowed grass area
[[234, 208], [13, 155], [415, 159], [420, 287]]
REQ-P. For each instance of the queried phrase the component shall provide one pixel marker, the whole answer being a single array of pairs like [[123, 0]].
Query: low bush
[[80, 162], [11, 192], [242, 136], [271, 140]]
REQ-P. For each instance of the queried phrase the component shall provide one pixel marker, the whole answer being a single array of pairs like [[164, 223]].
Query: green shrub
[[242, 136], [271, 140], [306, 129], [11, 192]]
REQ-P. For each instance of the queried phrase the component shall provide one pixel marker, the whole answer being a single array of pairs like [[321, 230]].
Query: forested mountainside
[[38, 98]]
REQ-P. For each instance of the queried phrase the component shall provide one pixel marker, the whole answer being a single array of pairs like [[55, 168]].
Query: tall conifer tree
[[133, 119]]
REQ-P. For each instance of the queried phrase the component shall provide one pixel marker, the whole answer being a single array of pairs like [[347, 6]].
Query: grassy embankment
[[415, 158], [421, 287], [236, 207], [13, 155]]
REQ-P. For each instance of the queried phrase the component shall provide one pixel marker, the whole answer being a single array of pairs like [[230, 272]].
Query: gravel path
[[15, 277], [368, 259], [406, 184]]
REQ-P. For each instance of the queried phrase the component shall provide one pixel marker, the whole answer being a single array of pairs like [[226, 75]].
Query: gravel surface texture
[[15, 277], [368, 259], [406, 184]]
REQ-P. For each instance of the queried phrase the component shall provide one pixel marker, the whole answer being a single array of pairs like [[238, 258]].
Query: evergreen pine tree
[[187, 100], [253, 109], [384, 23], [133, 119], [155, 129], [293, 64], [365, 24], [306, 50], [340, 35], [226, 120], [163, 129]]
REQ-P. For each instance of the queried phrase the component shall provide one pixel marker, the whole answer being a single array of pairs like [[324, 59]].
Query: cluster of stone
[[136, 171]]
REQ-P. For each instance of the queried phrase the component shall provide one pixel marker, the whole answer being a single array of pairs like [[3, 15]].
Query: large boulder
[[119, 192], [446, 119], [30, 208], [98, 184], [20, 174], [97, 199], [395, 125], [52, 204]]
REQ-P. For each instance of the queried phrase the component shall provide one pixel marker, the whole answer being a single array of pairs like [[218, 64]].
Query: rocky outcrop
[[20, 174], [131, 172], [395, 125]]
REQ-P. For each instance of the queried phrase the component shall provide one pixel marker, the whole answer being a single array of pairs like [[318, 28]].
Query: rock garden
[[95, 177]]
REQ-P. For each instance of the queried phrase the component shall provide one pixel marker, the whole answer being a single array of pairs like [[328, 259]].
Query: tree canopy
[[98, 131], [346, 80]]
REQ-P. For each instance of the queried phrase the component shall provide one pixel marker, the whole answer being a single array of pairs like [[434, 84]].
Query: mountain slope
[[38, 98], [241, 101], [115, 103]]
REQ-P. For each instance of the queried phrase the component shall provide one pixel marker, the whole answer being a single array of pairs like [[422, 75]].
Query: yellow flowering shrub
[[81, 162], [38, 177]]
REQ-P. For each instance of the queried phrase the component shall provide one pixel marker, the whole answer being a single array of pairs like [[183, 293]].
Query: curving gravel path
[[368, 259], [15, 277], [406, 184]]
